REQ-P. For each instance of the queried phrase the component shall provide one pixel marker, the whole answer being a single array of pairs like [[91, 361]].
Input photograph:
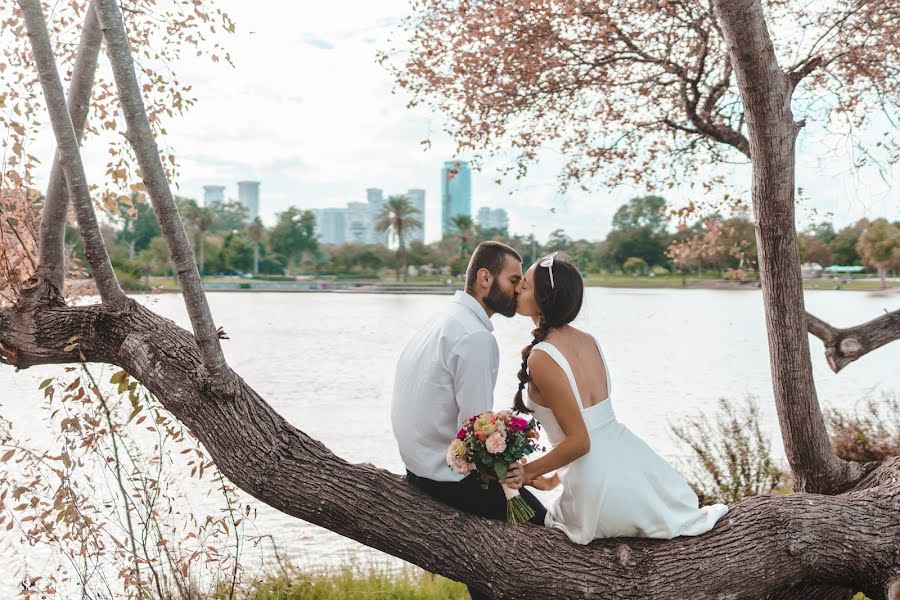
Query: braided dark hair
[[539, 334], [558, 304]]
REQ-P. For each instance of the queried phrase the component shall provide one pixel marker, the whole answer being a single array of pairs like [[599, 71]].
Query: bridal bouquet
[[489, 443]]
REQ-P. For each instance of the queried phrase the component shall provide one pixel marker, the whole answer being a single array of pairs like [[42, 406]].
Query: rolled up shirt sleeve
[[474, 362]]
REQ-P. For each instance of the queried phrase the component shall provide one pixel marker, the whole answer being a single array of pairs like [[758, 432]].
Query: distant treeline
[[643, 238]]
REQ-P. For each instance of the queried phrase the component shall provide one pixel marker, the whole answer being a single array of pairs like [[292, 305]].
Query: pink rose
[[517, 424], [496, 443]]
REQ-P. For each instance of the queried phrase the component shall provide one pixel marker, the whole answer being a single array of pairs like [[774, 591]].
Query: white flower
[[496, 443]]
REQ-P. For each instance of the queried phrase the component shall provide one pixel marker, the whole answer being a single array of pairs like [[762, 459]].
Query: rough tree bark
[[847, 344], [764, 545], [56, 204], [153, 174], [766, 93], [69, 154]]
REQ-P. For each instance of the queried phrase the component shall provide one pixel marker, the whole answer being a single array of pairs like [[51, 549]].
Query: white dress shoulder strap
[[605, 367], [558, 357]]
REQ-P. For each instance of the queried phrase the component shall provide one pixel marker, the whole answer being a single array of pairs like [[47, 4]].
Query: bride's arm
[[556, 394]]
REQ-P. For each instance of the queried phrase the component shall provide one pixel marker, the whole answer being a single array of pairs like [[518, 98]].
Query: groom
[[447, 373]]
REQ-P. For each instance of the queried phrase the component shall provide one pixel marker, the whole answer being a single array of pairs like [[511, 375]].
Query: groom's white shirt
[[446, 374]]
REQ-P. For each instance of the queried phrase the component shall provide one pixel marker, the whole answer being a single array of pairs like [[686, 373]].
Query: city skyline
[[318, 136], [356, 222]]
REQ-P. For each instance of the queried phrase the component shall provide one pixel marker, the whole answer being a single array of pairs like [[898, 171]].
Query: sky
[[309, 113]]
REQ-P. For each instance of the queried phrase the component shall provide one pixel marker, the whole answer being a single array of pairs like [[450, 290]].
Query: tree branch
[[766, 94], [846, 540], [845, 345], [154, 177], [804, 69], [765, 544], [56, 204], [69, 154]]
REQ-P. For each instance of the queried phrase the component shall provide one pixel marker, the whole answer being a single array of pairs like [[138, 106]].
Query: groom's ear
[[484, 278]]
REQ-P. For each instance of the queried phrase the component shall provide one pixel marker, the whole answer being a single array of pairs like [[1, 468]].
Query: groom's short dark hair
[[488, 255]]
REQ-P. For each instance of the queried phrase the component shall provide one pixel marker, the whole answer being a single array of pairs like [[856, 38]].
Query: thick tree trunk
[[69, 155], [154, 177], [766, 94], [764, 545], [845, 345], [52, 266], [256, 257]]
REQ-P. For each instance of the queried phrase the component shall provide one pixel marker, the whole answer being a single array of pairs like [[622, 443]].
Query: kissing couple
[[613, 484]]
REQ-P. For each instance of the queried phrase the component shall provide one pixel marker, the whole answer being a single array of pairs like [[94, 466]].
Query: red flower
[[517, 424]]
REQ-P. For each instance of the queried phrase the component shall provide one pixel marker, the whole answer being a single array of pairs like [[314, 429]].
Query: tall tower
[[456, 193], [416, 197], [375, 198], [331, 225], [358, 223], [213, 194], [248, 195]]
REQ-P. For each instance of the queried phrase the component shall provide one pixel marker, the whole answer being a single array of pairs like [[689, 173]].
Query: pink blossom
[[517, 424], [496, 443], [459, 464]]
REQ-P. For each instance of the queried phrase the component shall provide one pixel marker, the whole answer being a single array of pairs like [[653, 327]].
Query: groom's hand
[[515, 476]]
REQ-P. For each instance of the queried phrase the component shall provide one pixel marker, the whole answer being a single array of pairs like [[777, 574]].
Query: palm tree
[[200, 217], [255, 231], [465, 232], [399, 216]]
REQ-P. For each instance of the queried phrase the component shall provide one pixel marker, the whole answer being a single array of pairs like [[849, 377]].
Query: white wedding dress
[[621, 487]]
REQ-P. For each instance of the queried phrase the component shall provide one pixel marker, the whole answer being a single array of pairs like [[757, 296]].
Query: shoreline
[[428, 289]]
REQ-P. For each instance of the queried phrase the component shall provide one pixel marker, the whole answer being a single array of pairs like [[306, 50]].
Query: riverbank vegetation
[[647, 245]]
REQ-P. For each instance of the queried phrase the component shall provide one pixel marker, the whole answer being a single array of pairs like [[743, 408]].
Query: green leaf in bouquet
[[500, 470]]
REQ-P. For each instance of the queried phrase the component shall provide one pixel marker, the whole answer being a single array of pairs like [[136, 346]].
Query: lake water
[[325, 362]]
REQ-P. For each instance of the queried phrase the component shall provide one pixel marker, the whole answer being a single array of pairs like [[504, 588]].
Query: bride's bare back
[[580, 349]]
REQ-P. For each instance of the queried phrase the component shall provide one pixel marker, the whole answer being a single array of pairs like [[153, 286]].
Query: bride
[[613, 484]]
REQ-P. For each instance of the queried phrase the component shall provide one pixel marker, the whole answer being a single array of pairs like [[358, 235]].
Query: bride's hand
[[544, 483], [515, 476]]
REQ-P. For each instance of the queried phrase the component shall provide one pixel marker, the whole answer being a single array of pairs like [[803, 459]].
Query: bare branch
[[804, 69], [141, 138], [56, 204], [845, 345], [69, 153]]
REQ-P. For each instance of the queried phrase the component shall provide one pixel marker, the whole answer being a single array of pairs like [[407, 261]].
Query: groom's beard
[[501, 303]]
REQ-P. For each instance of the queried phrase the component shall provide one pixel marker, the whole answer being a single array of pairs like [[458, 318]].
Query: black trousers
[[467, 495]]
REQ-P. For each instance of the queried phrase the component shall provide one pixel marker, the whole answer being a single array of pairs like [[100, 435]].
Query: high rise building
[[375, 198], [416, 197], [331, 225], [359, 226], [456, 193], [213, 194], [248, 195], [496, 218]]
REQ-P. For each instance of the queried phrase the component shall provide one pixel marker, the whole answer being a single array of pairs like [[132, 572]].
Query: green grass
[[604, 280], [660, 281], [349, 583], [854, 284]]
